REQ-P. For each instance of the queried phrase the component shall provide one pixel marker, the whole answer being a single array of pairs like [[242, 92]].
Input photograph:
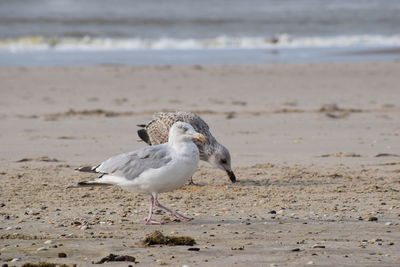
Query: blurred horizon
[[133, 25], [185, 19]]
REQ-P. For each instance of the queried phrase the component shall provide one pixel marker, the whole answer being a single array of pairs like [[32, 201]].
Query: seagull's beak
[[232, 176], [199, 137]]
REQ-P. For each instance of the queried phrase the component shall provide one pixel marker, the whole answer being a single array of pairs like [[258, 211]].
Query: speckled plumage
[[156, 132], [158, 128]]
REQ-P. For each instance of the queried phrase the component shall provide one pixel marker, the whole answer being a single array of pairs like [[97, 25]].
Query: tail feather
[[92, 183], [87, 169], [88, 183], [142, 133]]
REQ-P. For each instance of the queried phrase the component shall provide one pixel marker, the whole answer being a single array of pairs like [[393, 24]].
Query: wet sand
[[315, 148]]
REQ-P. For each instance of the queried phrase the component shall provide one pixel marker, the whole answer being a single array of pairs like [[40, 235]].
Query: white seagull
[[153, 169]]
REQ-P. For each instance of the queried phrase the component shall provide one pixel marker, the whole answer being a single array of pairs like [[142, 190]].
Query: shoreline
[[199, 56]]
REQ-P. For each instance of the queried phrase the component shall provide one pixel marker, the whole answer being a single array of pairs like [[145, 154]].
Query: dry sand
[[315, 148]]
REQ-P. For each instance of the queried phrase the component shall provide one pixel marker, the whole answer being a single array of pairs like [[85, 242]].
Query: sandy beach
[[315, 148]]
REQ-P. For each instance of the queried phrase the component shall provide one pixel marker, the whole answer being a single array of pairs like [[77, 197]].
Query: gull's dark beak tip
[[232, 176]]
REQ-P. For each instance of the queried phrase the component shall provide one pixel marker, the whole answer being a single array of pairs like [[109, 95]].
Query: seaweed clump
[[113, 257], [157, 238]]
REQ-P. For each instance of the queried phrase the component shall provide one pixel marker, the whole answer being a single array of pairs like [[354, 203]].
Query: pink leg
[[148, 219], [174, 213]]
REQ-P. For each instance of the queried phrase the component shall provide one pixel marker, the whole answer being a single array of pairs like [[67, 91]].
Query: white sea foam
[[36, 43]]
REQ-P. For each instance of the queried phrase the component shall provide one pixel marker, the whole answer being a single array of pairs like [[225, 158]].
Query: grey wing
[[131, 165]]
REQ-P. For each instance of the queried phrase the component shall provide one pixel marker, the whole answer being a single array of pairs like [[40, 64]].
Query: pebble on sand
[[372, 219], [161, 262], [318, 246]]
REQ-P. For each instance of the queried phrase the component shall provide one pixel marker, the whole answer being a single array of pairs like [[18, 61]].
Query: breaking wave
[[34, 43]]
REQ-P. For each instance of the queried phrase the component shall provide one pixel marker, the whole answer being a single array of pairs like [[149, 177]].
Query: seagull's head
[[221, 159], [184, 132]]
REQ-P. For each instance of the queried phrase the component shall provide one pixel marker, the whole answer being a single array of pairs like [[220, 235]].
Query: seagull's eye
[[223, 161]]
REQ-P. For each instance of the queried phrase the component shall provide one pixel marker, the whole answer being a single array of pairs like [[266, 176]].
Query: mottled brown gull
[[156, 132], [154, 169]]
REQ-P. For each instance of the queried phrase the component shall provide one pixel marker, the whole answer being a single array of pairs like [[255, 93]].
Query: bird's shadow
[[249, 182], [285, 183]]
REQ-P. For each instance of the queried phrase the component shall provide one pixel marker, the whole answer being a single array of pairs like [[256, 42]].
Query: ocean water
[[54, 31]]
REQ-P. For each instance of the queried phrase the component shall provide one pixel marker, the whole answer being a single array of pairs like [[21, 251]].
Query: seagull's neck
[[176, 141], [184, 148], [177, 144]]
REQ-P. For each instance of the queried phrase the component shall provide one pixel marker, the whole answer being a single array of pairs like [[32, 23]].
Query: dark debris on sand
[[157, 238], [43, 159], [46, 264], [113, 257]]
